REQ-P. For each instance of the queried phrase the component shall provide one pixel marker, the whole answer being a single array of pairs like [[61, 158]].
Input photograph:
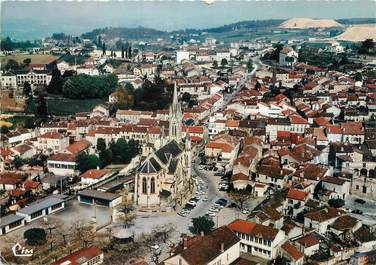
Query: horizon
[[22, 20]]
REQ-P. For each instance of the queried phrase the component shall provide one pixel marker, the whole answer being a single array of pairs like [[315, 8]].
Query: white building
[[182, 56]]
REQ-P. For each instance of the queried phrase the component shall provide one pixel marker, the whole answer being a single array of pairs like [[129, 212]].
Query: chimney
[[222, 247]]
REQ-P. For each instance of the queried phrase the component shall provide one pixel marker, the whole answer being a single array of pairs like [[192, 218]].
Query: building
[[287, 56], [167, 169], [93, 176], [11, 222], [84, 256], [182, 56], [62, 164], [41, 208], [100, 198], [259, 240], [221, 246]]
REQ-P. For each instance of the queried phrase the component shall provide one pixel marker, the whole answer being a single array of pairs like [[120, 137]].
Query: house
[[344, 225], [85, 256], [338, 186], [296, 200], [10, 180], [62, 164], [258, 240], [320, 219], [288, 56], [93, 176], [221, 246], [24, 151], [309, 244], [41, 208], [223, 145], [52, 142], [292, 253]]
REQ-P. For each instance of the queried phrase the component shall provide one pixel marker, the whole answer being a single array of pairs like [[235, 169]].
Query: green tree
[[336, 203], [104, 48], [224, 62], [86, 162], [101, 145], [186, 97], [201, 224], [17, 162], [240, 197], [27, 89], [41, 106], [358, 76], [215, 64], [129, 53], [35, 236], [122, 51], [27, 61], [12, 65], [250, 65], [56, 84]]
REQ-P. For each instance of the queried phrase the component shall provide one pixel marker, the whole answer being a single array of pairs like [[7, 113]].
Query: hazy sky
[[30, 20]]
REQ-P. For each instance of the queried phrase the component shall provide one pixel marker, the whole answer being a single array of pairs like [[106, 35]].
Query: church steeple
[[175, 117]]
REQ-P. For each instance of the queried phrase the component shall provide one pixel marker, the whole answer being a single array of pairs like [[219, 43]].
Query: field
[[35, 58], [64, 106]]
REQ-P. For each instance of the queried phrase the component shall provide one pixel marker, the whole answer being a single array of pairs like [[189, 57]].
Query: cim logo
[[20, 251]]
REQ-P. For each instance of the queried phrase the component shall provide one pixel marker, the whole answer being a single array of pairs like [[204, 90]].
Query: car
[[214, 209], [245, 211], [360, 201], [211, 214], [357, 211], [192, 202], [154, 246], [205, 199]]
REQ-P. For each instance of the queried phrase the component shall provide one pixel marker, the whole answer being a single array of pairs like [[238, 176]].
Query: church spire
[[175, 117]]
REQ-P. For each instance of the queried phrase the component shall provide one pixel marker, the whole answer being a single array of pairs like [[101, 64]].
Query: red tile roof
[[295, 194], [78, 257], [78, 147], [292, 251], [251, 228], [94, 173]]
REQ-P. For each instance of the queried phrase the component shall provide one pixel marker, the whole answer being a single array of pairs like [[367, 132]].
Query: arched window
[[152, 185], [144, 186]]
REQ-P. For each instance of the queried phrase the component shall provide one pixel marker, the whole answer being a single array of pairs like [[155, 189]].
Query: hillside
[[358, 33], [305, 23], [139, 33]]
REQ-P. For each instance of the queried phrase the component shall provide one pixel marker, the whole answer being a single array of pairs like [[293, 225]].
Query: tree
[[127, 211], [358, 76], [27, 61], [250, 65], [17, 162], [240, 197], [224, 62], [35, 236], [367, 47], [27, 89], [129, 53], [215, 64], [86, 162], [41, 106], [122, 51], [186, 97], [201, 224], [104, 48], [12, 65], [56, 84], [101, 145], [336, 203]]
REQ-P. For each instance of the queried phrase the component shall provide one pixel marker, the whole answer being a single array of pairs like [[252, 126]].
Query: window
[[35, 215], [56, 206], [152, 185], [15, 224], [144, 186]]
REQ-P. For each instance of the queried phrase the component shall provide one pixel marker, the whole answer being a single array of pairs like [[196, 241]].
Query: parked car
[[360, 201], [357, 211]]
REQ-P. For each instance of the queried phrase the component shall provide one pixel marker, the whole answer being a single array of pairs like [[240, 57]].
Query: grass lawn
[[35, 58], [65, 106]]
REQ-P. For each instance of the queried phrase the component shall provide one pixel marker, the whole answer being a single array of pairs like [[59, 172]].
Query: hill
[[306, 23], [139, 33], [358, 33]]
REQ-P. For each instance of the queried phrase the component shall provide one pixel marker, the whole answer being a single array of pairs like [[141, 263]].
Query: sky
[[36, 19]]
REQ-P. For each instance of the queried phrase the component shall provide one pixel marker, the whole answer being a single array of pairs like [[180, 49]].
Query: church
[[163, 179]]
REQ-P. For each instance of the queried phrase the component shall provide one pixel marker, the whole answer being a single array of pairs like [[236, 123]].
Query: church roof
[[173, 165], [172, 149], [150, 166]]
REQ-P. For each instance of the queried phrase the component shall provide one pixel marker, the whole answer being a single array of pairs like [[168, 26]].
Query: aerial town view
[[188, 132]]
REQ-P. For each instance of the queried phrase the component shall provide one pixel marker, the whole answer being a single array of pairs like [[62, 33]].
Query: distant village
[[256, 156]]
